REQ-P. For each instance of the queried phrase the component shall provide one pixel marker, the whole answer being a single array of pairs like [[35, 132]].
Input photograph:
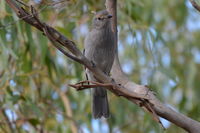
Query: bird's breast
[[100, 48]]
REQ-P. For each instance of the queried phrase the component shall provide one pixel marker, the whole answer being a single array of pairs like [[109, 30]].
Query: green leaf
[[34, 122]]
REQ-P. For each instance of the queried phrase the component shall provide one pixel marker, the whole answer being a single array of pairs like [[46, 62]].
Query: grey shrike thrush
[[100, 49]]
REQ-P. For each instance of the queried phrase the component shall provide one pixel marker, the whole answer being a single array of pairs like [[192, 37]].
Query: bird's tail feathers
[[100, 105]]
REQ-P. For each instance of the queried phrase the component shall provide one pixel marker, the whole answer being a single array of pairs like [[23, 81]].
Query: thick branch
[[162, 110], [138, 94]]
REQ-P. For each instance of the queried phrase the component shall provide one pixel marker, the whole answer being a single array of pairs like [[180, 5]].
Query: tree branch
[[138, 94], [195, 5], [162, 110]]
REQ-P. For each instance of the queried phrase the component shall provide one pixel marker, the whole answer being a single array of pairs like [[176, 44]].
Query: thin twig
[[22, 3]]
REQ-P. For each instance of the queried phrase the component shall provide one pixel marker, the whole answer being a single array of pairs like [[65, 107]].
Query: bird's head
[[102, 19]]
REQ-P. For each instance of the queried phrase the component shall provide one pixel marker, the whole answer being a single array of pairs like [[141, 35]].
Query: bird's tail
[[100, 103]]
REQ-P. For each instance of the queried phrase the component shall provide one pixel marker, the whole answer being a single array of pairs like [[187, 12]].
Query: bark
[[162, 110]]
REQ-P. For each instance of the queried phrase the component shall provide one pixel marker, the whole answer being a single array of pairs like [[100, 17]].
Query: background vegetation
[[158, 47]]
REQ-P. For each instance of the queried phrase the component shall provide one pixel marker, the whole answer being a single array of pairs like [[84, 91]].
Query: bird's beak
[[109, 16]]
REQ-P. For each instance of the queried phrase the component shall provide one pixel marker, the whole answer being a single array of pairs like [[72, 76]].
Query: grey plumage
[[100, 49]]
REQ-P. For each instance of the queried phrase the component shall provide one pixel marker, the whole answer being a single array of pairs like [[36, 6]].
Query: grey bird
[[100, 49]]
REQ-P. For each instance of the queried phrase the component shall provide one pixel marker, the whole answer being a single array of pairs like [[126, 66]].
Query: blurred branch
[[69, 114], [68, 110], [1, 74], [5, 117], [121, 85], [195, 5]]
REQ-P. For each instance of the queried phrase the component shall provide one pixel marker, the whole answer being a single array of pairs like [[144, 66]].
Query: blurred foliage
[[158, 46]]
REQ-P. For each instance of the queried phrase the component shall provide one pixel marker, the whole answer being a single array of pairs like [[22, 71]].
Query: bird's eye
[[99, 18]]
